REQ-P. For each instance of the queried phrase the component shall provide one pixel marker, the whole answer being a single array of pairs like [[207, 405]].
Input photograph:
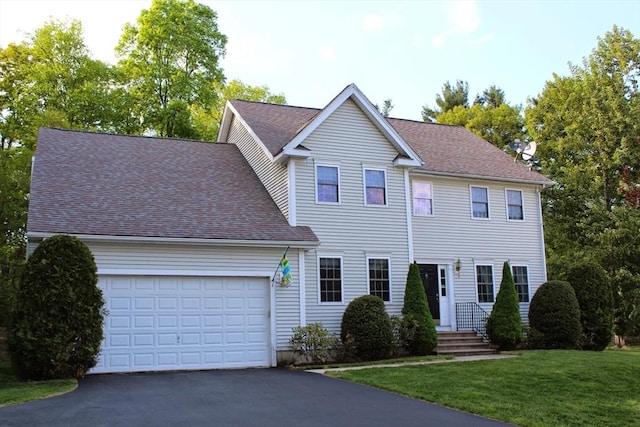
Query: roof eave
[[543, 183], [298, 244]]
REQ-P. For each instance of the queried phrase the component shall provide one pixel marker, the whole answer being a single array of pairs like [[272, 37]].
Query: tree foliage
[[415, 310], [171, 58], [57, 324], [451, 96], [504, 324]]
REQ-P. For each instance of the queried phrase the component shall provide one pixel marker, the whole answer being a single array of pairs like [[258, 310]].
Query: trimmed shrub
[[504, 324], [57, 324], [366, 329], [554, 316], [421, 337], [593, 290], [313, 342]]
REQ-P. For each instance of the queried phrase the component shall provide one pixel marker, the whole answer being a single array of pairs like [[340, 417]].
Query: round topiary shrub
[[593, 290], [57, 325], [554, 316], [366, 329], [420, 329], [504, 325]]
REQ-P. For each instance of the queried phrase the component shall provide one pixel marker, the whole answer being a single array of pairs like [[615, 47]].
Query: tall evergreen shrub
[[554, 316], [57, 324], [504, 324], [415, 310], [593, 290]]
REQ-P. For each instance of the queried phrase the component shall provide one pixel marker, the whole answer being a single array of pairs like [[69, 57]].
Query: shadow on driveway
[[251, 397]]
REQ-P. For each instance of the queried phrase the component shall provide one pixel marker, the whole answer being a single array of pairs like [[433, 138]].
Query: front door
[[429, 274]]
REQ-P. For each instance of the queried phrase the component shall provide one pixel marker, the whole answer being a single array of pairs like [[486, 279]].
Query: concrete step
[[466, 343]]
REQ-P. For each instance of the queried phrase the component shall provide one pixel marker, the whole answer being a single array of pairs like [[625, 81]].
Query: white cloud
[[463, 19], [327, 53], [373, 22]]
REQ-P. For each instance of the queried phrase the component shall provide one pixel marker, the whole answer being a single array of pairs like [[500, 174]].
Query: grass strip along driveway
[[539, 388], [13, 391]]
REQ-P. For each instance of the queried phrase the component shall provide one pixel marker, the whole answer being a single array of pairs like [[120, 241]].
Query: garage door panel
[[157, 323]]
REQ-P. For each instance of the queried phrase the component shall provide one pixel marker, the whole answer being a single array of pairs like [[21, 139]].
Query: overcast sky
[[403, 50]]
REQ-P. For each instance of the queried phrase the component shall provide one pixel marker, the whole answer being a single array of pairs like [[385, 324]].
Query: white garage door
[[169, 323]]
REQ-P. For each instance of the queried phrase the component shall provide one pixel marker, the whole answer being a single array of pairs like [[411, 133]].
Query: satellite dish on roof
[[529, 151], [517, 146]]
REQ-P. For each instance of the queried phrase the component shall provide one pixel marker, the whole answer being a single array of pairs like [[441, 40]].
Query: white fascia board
[[293, 153], [544, 184], [370, 111], [190, 273], [246, 126], [36, 236], [407, 162], [225, 123]]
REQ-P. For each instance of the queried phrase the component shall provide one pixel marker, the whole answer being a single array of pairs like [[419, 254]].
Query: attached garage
[[180, 322]]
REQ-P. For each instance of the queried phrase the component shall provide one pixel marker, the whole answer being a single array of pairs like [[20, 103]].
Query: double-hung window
[[375, 183], [480, 202], [379, 284], [330, 273], [515, 208], [422, 198], [327, 184], [484, 280], [521, 279]]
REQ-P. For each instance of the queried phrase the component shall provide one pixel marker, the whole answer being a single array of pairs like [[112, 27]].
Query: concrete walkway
[[425, 362]]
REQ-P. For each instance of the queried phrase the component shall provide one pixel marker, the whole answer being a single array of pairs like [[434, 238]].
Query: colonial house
[[188, 236]]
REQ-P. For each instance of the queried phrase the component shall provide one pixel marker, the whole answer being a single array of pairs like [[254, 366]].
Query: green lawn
[[538, 388], [13, 391]]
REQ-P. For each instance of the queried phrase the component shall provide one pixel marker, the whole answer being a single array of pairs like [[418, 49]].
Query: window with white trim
[[379, 284], [515, 208], [480, 202], [521, 279], [422, 198], [327, 184], [330, 274], [484, 281], [375, 183]]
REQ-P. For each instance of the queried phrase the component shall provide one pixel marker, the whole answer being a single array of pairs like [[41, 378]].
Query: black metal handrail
[[470, 316]]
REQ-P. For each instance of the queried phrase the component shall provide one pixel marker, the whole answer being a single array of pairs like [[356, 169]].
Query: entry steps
[[462, 343]]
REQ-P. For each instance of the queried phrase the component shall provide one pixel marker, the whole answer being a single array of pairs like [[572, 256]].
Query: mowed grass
[[13, 391], [537, 388]]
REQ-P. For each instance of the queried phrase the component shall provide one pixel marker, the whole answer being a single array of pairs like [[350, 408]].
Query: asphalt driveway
[[252, 397]]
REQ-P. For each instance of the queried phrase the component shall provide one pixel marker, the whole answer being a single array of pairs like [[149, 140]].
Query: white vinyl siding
[[452, 234], [350, 139], [220, 260], [273, 176]]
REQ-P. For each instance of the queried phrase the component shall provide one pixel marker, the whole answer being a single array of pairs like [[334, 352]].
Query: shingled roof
[[113, 185], [445, 149]]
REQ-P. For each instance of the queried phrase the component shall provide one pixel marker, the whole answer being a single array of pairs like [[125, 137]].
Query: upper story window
[[484, 281], [521, 279], [330, 274], [422, 198], [379, 284], [480, 202], [515, 208], [327, 184], [375, 183]]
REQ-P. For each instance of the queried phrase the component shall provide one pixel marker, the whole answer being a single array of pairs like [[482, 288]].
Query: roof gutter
[[298, 244], [487, 178]]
